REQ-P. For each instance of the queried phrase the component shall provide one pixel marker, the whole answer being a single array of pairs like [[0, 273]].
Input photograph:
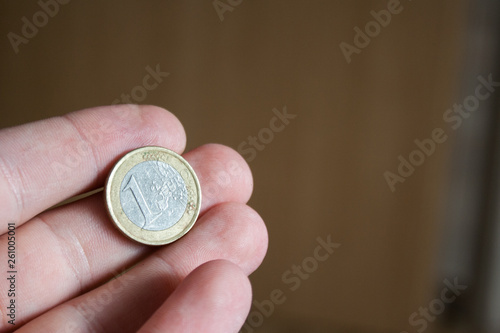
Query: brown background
[[322, 175]]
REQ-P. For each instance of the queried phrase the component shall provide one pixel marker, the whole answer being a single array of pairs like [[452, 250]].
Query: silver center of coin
[[153, 195]]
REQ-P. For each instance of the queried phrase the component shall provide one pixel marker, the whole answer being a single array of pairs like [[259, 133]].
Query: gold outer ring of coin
[[114, 207]]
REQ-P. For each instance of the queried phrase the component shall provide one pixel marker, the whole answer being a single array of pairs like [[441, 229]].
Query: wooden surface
[[323, 174]]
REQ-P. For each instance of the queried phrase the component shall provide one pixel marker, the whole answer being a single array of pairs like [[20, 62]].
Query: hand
[[68, 260]]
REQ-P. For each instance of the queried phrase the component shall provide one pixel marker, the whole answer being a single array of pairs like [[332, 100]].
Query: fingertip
[[253, 227], [133, 125], [245, 231], [224, 175], [166, 124], [215, 297], [236, 166], [227, 281], [235, 288]]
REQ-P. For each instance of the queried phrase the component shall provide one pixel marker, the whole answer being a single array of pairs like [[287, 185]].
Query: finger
[[215, 297], [45, 162], [72, 248], [229, 231], [223, 173]]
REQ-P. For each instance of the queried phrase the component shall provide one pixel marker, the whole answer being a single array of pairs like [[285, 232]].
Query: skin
[[77, 273]]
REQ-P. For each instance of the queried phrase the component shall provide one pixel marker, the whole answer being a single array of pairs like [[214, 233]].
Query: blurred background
[[371, 126]]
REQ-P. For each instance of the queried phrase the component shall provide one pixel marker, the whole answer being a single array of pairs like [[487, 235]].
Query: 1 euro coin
[[153, 195]]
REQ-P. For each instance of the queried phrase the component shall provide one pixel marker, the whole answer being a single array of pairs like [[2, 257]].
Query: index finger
[[45, 162]]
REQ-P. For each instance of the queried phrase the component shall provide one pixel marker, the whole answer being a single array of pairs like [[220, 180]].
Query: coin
[[153, 195]]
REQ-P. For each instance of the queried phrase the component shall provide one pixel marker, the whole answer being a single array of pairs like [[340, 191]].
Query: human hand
[[66, 256]]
